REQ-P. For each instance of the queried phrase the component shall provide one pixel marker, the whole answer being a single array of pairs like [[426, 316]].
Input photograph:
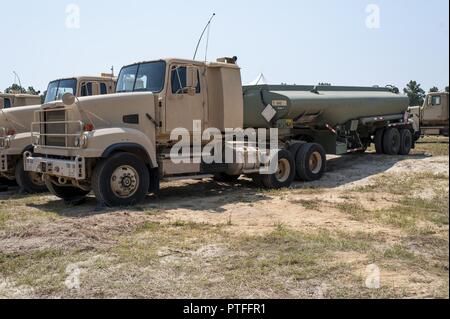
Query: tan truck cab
[[15, 100], [15, 126], [432, 117]]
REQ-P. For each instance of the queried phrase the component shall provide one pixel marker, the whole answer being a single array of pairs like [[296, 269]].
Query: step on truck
[[431, 119], [15, 127], [121, 146]]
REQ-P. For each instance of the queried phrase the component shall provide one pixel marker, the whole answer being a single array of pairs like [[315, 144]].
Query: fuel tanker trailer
[[129, 146], [341, 119]]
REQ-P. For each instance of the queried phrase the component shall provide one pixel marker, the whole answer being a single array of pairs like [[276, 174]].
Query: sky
[[347, 42]]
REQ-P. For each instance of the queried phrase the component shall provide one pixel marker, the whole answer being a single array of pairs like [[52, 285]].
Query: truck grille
[[54, 125], [53, 129]]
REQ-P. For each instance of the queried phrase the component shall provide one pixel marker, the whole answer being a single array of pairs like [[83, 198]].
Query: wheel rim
[[315, 162], [125, 181], [283, 171], [36, 178]]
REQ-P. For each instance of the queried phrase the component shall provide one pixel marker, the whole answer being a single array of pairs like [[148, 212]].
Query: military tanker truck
[[18, 99], [432, 117], [121, 146], [15, 126]]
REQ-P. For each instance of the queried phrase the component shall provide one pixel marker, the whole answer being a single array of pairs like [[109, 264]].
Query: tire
[[406, 142], [225, 178], [121, 180], [392, 141], [257, 180], [379, 135], [311, 162], [285, 173], [29, 182], [69, 194]]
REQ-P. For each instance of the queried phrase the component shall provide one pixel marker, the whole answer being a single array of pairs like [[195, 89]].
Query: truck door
[[433, 109], [183, 107]]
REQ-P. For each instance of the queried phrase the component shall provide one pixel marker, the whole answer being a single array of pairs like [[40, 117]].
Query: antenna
[[16, 76], [201, 37]]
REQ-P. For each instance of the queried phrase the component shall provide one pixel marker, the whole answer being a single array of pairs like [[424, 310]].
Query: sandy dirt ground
[[315, 240]]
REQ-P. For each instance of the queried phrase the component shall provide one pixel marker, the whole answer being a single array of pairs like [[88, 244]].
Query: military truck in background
[[10, 100], [15, 127], [121, 146], [432, 117]]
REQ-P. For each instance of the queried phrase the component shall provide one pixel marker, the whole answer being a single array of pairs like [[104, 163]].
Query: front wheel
[[121, 180], [30, 182], [69, 194]]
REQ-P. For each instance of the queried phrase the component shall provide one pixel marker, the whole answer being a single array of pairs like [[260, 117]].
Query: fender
[[29, 148], [105, 142], [129, 148]]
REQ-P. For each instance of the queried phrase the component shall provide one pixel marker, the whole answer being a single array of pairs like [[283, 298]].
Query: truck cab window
[[7, 103], [103, 89], [86, 89], [178, 80], [436, 100]]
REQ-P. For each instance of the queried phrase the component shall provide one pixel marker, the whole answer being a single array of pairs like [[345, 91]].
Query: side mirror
[[68, 99], [192, 79]]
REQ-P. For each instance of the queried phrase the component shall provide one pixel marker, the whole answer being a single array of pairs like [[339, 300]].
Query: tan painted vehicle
[[15, 126], [17, 99], [432, 117], [121, 146]]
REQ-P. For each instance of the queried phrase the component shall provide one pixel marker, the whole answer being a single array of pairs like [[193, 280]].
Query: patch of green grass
[[308, 204], [355, 210], [409, 211], [392, 184], [400, 252], [436, 146]]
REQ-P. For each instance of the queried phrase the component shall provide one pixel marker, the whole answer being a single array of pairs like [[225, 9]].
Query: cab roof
[[170, 60]]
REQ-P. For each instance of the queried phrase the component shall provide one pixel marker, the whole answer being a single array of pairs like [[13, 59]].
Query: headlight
[[82, 141], [6, 142]]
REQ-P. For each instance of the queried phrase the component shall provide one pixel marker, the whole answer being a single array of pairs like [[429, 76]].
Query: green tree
[[15, 88], [32, 91], [434, 89], [415, 93]]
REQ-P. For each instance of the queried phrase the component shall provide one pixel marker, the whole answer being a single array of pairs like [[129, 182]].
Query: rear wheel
[[30, 182], [284, 172], [392, 141], [121, 180], [406, 142], [69, 194], [379, 135], [311, 162]]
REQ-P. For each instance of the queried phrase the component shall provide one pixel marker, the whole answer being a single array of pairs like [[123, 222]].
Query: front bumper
[[3, 163], [74, 169]]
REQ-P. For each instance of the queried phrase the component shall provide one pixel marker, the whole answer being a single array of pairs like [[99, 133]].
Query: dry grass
[[154, 251]]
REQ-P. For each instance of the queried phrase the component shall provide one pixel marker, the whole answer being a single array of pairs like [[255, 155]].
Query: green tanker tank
[[317, 106]]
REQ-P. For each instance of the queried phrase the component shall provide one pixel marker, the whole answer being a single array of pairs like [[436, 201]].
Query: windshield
[[145, 77], [57, 89]]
